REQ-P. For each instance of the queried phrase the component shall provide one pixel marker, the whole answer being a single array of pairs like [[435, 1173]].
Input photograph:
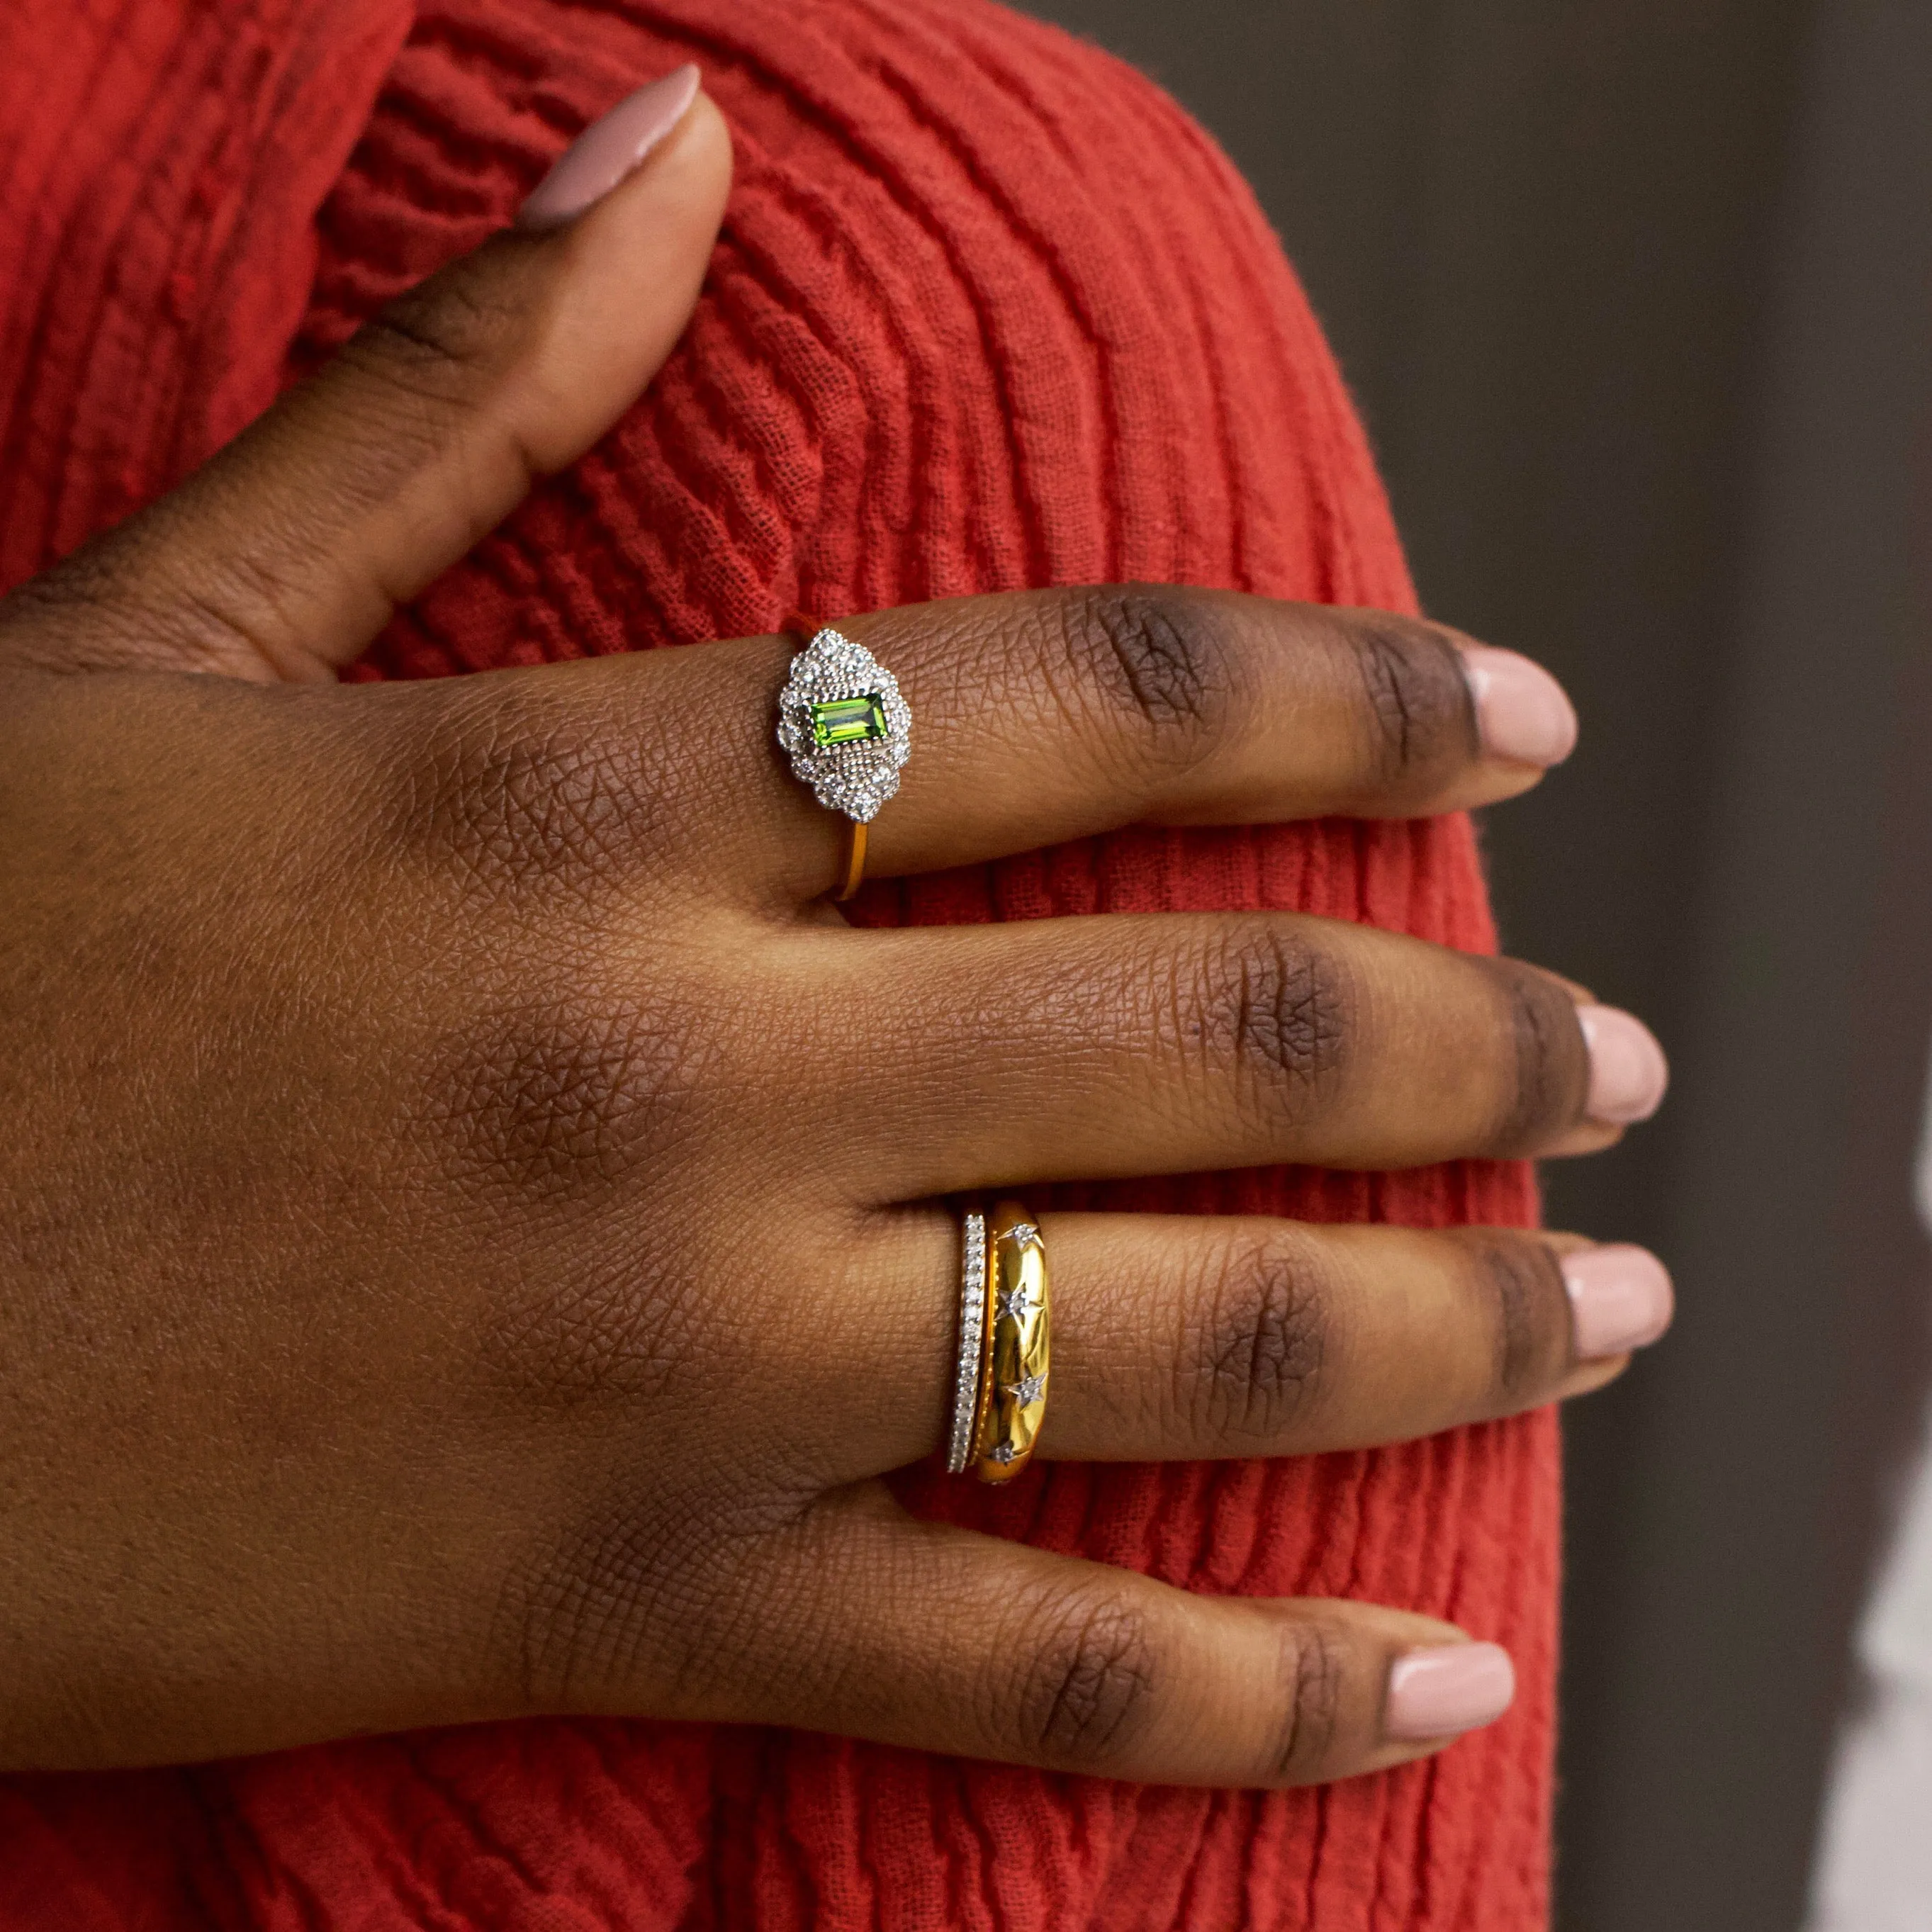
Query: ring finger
[[1183, 1337]]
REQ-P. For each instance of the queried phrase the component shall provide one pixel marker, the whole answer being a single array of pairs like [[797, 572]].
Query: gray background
[[1634, 295]]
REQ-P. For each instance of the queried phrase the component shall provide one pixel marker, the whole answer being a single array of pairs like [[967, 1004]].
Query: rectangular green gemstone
[[848, 721]]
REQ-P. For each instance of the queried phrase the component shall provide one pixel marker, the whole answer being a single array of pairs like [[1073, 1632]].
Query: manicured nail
[[1628, 1072], [1445, 1689], [609, 149], [1620, 1299], [1522, 713]]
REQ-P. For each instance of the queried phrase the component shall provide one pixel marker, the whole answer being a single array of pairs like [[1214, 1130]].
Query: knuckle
[[628, 1594], [622, 1334], [1417, 699], [433, 342], [1161, 658], [1546, 1075], [560, 1120], [503, 794], [1091, 1688], [1265, 1345], [1275, 1012], [1520, 1287], [563, 1099], [579, 1613], [1317, 1670]]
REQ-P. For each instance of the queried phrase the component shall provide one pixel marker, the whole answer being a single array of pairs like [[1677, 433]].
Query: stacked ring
[[846, 730], [968, 1373], [1016, 1351]]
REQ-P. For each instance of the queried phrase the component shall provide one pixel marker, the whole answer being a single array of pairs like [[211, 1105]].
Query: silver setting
[[972, 1338], [1026, 1392], [856, 778]]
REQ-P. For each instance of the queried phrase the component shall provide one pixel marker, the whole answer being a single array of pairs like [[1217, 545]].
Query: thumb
[[284, 555]]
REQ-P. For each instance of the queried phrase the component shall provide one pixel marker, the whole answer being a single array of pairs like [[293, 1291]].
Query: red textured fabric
[[989, 311]]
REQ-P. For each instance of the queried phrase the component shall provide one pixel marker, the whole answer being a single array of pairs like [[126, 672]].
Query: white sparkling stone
[[856, 778], [1027, 1391], [1015, 1304], [972, 1326]]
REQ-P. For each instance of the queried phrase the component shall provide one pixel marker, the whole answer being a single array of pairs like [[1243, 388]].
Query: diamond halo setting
[[844, 725]]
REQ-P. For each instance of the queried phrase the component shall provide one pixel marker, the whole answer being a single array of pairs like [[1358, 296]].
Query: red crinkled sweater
[[987, 311]]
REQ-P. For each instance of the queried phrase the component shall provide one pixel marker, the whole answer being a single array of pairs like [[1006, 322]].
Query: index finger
[[1040, 716]]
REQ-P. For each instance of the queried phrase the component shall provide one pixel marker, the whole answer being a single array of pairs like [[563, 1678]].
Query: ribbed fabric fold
[[987, 311]]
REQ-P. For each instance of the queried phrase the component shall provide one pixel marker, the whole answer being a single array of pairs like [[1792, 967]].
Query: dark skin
[[417, 1100]]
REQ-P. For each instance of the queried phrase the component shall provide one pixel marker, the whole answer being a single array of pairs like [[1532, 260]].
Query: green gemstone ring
[[846, 731]]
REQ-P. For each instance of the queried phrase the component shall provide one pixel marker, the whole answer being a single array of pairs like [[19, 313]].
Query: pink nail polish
[[1522, 712], [609, 149], [1628, 1072], [1620, 1299], [1445, 1689]]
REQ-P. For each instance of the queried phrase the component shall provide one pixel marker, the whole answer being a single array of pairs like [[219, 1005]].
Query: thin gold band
[[1018, 1346], [855, 861]]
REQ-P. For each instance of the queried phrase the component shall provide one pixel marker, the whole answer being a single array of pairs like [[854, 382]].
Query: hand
[[466, 1200]]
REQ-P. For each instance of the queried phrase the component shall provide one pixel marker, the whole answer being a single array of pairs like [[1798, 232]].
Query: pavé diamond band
[[846, 730], [968, 1374], [1015, 1355]]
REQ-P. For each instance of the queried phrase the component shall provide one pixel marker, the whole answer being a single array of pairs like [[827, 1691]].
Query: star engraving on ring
[[1003, 1452], [1027, 1390], [1015, 1304]]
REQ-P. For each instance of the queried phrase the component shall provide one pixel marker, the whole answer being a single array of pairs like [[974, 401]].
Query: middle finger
[[1122, 1045]]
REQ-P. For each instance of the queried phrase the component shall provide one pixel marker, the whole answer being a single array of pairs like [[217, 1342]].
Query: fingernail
[[1620, 1299], [609, 149], [1628, 1072], [1445, 1689], [1522, 712]]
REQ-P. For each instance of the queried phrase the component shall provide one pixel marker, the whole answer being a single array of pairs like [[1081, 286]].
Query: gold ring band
[[1017, 1348], [855, 861]]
